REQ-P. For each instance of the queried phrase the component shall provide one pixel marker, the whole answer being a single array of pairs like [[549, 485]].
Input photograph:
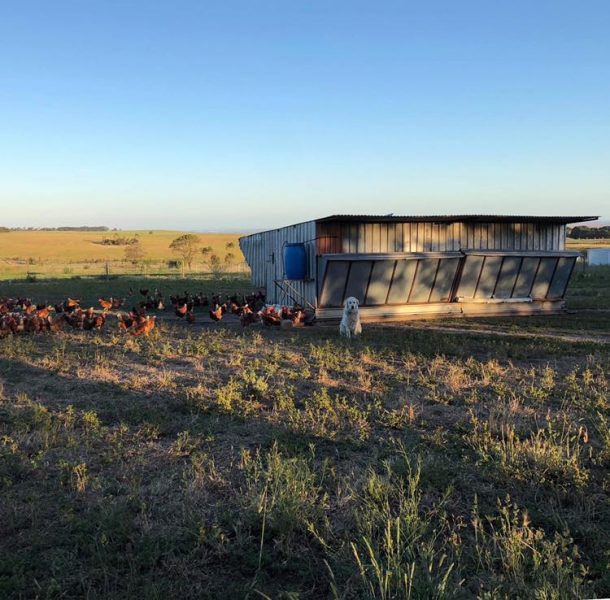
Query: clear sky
[[237, 115]]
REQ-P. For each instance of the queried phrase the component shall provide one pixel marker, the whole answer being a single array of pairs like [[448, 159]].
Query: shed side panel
[[264, 254], [371, 237]]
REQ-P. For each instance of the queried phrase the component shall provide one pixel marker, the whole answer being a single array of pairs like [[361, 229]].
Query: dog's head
[[351, 305]]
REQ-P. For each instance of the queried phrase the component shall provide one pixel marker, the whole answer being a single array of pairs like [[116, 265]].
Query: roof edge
[[472, 218], [563, 220]]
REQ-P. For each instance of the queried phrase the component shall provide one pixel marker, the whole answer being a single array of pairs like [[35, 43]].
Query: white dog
[[350, 322]]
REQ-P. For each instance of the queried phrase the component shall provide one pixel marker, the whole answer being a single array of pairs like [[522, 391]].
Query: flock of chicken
[[21, 315], [249, 308]]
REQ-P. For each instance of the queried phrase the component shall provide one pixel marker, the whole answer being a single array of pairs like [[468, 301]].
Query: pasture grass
[[216, 463], [65, 254], [573, 244]]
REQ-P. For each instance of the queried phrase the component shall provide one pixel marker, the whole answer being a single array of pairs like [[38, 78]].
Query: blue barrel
[[295, 261]]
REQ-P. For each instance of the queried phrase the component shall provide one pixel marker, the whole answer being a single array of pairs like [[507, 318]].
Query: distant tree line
[[81, 228], [582, 232]]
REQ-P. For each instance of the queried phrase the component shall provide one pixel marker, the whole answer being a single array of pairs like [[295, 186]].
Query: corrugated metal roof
[[561, 220], [459, 218]]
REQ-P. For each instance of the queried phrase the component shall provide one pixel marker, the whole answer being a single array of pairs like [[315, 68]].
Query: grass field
[[416, 462], [69, 253], [584, 244]]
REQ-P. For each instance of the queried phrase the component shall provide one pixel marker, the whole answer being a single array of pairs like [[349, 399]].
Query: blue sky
[[238, 115]]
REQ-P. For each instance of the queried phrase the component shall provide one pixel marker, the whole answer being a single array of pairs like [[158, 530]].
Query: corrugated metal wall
[[441, 277], [264, 253], [338, 237], [390, 279]]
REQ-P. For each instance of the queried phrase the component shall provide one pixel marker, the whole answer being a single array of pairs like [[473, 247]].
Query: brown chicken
[[32, 324], [144, 327], [57, 323], [298, 318], [93, 321], [71, 304], [182, 310], [126, 321], [217, 313], [11, 324], [43, 313], [270, 317], [106, 304], [248, 316], [76, 319]]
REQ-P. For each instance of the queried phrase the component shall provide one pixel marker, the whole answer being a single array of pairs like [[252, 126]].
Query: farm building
[[401, 267]]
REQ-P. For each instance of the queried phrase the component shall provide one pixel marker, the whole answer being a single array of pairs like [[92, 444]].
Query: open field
[[69, 253], [584, 244], [428, 460]]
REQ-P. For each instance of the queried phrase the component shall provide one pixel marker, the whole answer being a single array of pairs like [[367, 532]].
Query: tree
[[215, 265], [229, 258], [134, 253], [230, 245], [186, 246], [206, 251], [582, 232]]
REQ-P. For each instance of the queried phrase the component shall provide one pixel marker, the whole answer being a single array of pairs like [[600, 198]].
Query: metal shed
[[598, 256], [416, 266]]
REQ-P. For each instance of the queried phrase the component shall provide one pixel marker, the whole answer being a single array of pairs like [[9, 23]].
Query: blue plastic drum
[[295, 261]]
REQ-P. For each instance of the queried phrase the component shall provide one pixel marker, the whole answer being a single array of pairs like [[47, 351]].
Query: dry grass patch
[[221, 464]]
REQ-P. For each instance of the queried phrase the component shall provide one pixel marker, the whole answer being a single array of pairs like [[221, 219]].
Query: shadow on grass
[[95, 500]]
